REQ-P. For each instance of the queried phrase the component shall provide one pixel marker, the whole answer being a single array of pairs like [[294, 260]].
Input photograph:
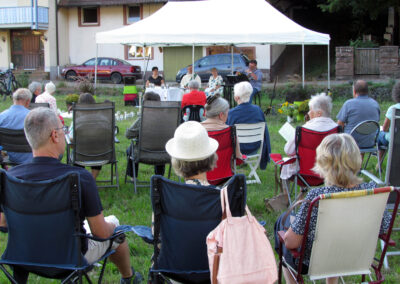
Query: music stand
[[231, 80]]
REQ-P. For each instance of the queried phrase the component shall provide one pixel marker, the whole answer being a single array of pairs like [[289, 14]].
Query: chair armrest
[[372, 177], [117, 236], [383, 237], [68, 140], [277, 159]]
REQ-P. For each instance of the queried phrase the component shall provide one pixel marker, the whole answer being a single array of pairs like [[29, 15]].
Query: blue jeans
[[382, 139], [252, 95]]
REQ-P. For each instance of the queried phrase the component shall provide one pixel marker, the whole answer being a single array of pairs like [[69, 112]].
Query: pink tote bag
[[239, 250]]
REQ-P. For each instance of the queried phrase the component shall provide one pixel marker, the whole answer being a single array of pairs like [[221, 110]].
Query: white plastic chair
[[251, 133]]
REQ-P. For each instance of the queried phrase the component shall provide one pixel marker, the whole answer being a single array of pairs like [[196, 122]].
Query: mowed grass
[[135, 209]]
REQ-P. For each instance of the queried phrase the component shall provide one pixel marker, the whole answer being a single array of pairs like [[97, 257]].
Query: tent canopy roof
[[214, 22]]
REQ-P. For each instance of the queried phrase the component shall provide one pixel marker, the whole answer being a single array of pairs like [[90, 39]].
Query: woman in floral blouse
[[338, 161], [214, 84]]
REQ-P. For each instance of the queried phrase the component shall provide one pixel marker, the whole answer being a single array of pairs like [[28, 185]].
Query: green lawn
[[135, 209]]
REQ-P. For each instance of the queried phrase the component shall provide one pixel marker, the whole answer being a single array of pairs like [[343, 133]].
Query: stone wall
[[389, 61], [344, 62]]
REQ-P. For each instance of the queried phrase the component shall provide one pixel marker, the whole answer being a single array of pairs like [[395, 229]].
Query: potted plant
[[301, 109], [289, 110], [71, 98]]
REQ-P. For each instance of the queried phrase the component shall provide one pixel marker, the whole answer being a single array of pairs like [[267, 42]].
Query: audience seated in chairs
[[320, 120], [36, 90], [13, 118], [85, 98], [338, 162], [194, 97], [47, 96], [246, 112], [133, 132], [192, 153], [384, 135], [46, 136], [357, 110], [214, 84]]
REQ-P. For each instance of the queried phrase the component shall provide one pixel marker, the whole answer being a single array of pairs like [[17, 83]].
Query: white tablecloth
[[167, 94]]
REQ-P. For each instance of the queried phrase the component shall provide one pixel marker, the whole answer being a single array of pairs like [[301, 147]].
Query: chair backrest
[[250, 132], [94, 132], [35, 105], [342, 245], [14, 140], [368, 128], [225, 167], [307, 142], [194, 112], [42, 218], [393, 161], [158, 123], [183, 216]]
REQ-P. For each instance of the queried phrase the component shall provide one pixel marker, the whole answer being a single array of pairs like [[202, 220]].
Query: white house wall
[[81, 40]]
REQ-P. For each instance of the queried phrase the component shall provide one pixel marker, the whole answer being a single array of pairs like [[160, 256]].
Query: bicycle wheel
[[15, 85], [3, 90]]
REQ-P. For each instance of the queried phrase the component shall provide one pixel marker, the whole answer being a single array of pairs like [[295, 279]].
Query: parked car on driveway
[[221, 61], [113, 69]]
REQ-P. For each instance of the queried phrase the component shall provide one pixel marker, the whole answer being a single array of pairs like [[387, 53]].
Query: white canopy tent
[[215, 22]]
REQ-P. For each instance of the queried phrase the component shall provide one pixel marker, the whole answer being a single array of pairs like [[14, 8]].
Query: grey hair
[[50, 87], [38, 126], [22, 94], [243, 91], [396, 92], [34, 86], [321, 102], [194, 85], [219, 105]]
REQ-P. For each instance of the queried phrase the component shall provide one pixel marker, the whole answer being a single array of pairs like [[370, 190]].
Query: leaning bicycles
[[8, 83]]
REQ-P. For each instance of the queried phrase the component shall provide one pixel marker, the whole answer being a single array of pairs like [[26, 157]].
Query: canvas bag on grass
[[239, 250]]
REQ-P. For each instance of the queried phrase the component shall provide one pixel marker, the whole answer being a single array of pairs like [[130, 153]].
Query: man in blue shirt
[[46, 136], [357, 110], [13, 118], [255, 77]]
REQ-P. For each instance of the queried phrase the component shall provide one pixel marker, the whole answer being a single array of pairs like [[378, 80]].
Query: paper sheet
[[287, 131]]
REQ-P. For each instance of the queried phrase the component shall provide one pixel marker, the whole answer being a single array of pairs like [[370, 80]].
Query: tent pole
[[143, 68], [232, 59], [329, 69], [302, 63], [95, 67], [193, 59]]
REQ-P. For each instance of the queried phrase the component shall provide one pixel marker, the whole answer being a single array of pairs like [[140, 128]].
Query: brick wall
[[344, 62], [389, 61]]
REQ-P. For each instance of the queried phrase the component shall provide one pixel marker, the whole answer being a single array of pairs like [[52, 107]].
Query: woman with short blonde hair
[[338, 162]]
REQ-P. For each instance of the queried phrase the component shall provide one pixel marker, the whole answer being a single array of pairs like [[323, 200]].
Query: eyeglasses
[[64, 128]]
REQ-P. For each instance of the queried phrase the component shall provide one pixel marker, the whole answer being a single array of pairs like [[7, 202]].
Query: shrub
[[72, 98], [23, 79]]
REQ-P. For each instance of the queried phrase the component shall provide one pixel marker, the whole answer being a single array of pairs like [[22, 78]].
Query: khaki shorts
[[97, 249]]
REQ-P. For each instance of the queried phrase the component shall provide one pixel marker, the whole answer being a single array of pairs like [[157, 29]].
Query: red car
[[107, 68]]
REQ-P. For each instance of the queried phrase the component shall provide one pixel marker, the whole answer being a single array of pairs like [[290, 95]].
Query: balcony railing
[[24, 16]]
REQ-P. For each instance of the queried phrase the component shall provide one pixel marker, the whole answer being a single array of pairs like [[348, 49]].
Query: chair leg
[[102, 270], [8, 275], [134, 175], [116, 174]]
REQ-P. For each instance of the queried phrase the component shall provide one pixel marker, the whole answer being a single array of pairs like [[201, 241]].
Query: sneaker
[[136, 278]]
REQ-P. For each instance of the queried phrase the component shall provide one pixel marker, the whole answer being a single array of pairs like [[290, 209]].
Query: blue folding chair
[[183, 216], [45, 235]]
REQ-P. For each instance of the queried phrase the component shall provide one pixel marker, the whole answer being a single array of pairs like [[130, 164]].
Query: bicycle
[[8, 84]]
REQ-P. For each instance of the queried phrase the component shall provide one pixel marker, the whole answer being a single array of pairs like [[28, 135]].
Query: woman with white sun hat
[[192, 152]]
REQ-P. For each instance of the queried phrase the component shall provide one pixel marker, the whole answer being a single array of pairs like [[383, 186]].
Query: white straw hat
[[191, 143]]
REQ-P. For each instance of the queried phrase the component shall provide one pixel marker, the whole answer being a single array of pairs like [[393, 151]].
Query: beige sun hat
[[191, 143]]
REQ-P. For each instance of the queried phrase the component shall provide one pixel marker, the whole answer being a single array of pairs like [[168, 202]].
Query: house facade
[[46, 35]]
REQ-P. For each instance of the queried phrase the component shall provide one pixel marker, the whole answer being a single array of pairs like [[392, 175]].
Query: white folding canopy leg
[[95, 67], [302, 64], [232, 59]]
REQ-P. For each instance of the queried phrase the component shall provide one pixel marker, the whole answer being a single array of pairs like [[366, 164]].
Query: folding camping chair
[[368, 128], [344, 246], [12, 140], [193, 112], [392, 177], [226, 163], [93, 141], [252, 133], [183, 216], [44, 234], [307, 142], [158, 123]]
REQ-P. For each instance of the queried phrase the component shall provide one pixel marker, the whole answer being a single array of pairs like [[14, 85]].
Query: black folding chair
[[195, 112], [13, 141], [183, 216], [158, 123], [93, 142], [35, 105], [44, 230]]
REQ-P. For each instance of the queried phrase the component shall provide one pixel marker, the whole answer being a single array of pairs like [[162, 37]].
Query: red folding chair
[[307, 142], [226, 166]]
